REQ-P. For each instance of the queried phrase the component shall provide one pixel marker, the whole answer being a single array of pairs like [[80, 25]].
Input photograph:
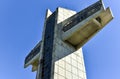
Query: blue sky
[[21, 24]]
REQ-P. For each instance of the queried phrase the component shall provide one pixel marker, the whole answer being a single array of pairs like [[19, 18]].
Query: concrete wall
[[70, 66], [68, 62]]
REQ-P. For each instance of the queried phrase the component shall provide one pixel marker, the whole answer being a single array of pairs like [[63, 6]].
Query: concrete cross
[[59, 54]]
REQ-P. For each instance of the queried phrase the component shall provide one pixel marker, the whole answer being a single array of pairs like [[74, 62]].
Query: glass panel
[[48, 47], [75, 19]]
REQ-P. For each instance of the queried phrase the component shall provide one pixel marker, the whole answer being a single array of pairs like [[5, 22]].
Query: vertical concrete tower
[[59, 54]]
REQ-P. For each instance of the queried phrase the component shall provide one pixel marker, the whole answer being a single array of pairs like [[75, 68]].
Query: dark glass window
[[48, 47], [82, 15]]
